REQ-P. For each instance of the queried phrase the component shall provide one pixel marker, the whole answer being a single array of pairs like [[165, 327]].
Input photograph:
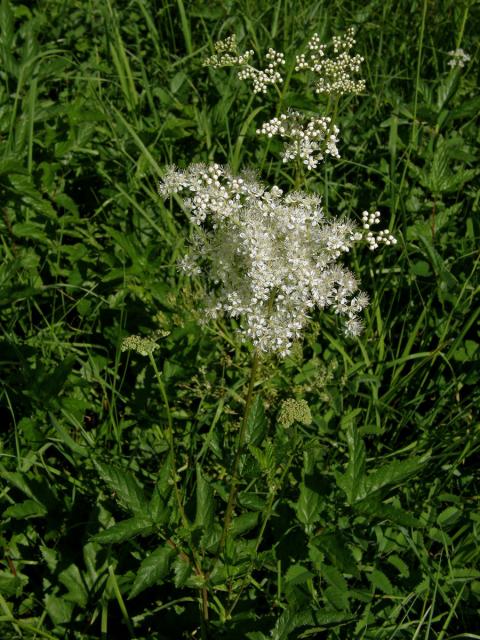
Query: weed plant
[[128, 508]]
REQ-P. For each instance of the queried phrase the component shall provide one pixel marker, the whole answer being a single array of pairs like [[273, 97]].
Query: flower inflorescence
[[227, 55], [458, 58], [376, 239], [334, 74], [292, 411], [269, 258], [310, 140]]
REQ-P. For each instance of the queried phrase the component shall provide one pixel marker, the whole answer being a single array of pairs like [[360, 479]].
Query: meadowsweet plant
[[270, 259]]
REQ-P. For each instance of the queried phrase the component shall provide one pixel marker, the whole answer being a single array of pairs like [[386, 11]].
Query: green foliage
[[361, 524]]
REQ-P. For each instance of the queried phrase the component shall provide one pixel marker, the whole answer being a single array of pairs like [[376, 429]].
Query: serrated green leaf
[[11, 585], [334, 577], [352, 482], [336, 549], [256, 428], [392, 473], [308, 506], [380, 581], [297, 574], [59, 609], [372, 506], [182, 570], [205, 505], [25, 509], [243, 523], [125, 486], [399, 564], [124, 530], [449, 516], [337, 598], [72, 579], [152, 570]]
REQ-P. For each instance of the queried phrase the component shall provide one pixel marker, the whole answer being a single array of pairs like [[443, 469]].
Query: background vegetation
[[364, 524]]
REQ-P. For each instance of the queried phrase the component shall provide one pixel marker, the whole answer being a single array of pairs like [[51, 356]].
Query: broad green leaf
[[11, 585], [297, 574], [30, 230], [72, 579], [449, 516], [372, 506], [392, 473], [245, 522], [182, 570], [308, 506], [325, 618], [59, 609], [337, 598], [334, 577], [158, 508], [399, 564], [380, 581], [124, 530], [334, 545], [24, 510], [353, 480], [205, 503], [251, 501], [152, 570], [125, 486], [256, 428]]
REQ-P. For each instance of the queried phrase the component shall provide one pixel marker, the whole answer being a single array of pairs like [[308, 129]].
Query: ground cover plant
[[170, 469]]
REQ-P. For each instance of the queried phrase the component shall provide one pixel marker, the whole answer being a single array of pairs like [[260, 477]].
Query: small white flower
[[309, 140], [458, 58]]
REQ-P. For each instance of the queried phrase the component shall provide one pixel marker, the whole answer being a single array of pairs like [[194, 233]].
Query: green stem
[[267, 515], [178, 496], [232, 497], [171, 442], [419, 62]]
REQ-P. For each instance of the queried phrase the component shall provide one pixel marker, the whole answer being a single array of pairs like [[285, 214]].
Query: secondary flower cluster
[[309, 140], [374, 240], [227, 55], [458, 58], [335, 74], [269, 258]]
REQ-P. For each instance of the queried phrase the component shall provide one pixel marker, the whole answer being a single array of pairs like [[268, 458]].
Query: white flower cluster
[[458, 58], [310, 141], [264, 78], [335, 74], [227, 55], [270, 258], [382, 237], [143, 346]]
